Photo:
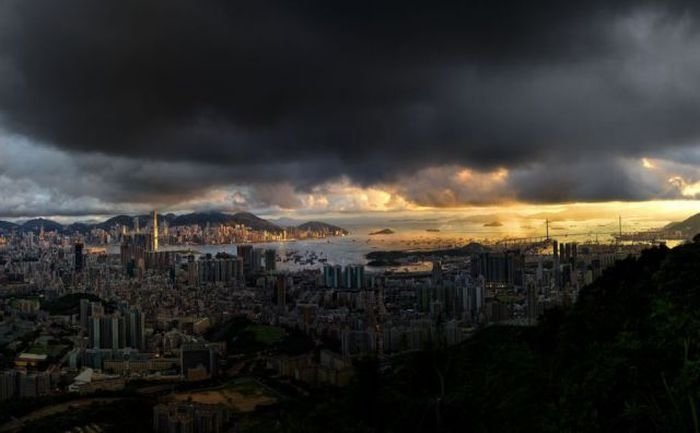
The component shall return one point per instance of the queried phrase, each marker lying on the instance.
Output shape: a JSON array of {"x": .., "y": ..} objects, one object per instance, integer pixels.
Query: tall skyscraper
[
  {"x": 118, "y": 331},
  {"x": 95, "y": 332},
  {"x": 84, "y": 313},
  {"x": 270, "y": 260},
  {"x": 332, "y": 275},
  {"x": 245, "y": 252},
  {"x": 155, "y": 230},
  {"x": 281, "y": 292},
  {"x": 500, "y": 268},
  {"x": 136, "y": 334},
  {"x": 256, "y": 262},
  {"x": 437, "y": 273},
  {"x": 532, "y": 307},
  {"x": 354, "y": 277},
  {"x": 78, "y": 257}
]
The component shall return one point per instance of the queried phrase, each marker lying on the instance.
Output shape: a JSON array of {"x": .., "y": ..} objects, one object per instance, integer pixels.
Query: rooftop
[{"x": 32, "y": 357}]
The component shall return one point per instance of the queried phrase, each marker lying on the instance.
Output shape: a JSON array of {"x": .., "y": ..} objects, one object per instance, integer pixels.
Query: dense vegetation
[
  {"x": 244, "y": 337},
  {"x": 625, "y": 358}
]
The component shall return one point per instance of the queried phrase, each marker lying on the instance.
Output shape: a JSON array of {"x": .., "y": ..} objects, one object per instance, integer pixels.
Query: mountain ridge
[
  {"x": 319, "y": 226},
  {"x": 690, "y": 225},
  {"x": 247, "y": 219}
]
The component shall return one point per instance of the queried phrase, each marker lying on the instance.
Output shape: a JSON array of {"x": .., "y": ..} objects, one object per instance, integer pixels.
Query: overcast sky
[{"x": 344, "y": 106}]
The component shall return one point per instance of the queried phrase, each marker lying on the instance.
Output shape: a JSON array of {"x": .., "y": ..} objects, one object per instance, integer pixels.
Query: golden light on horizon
[{"x": 647, "y": 163}]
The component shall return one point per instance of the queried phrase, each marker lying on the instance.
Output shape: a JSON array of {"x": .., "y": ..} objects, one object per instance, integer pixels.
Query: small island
[
  {"x": 383, "y": 232},
  {"x": 432, "y": 230},
  {"x": 494, "y": 224}
]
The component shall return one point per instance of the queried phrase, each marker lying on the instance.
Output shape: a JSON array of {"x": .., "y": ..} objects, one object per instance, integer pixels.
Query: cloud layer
[{"x": 118, "y": 105}]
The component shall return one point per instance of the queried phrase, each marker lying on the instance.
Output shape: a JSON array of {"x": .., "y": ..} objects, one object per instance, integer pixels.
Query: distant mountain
[
  {"x": 6, "y": 226},
  {"x": 128, "y": 221},
  {"x": 35, "y": 225},
  {"x": 162, "y": 218},
  {"x": 78, "y": 228},
  {"x": 286, "y": 222},
  {"x": 255, "y": 222},
  {"x": 119, "y": 220},
  {"x": 247, "y": 219},
  {"x": 318, "y": 226},
  {"x": 690, "y": 226},
  {"x": 198, "y": 218},
  {"x": 219, "y": 218},
  {"x": 201, "y": 219}
]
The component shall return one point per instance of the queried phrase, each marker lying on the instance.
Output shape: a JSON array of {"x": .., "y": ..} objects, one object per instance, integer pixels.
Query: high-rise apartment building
[{"x": 78, "y": 252}]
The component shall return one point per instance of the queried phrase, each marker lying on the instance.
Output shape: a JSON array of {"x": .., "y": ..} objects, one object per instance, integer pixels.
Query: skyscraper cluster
[
  {"x": 118, "y": 330},
  {"x": 350, "y": 277}
]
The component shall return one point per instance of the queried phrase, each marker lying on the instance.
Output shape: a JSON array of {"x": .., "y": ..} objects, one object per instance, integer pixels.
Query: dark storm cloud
[
  {"x": 262, "y": 92},
  {"x": 605, "y": 180}
]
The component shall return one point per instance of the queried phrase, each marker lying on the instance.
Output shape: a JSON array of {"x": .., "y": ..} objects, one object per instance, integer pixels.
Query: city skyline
[{"x": 498, "y": 220}]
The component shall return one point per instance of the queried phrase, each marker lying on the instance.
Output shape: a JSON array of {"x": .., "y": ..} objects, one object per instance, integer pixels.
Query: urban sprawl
[{"x": 79, "y": 320}]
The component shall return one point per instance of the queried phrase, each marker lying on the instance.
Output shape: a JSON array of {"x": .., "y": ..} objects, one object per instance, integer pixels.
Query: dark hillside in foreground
[{"x": 625, "y": 358}]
